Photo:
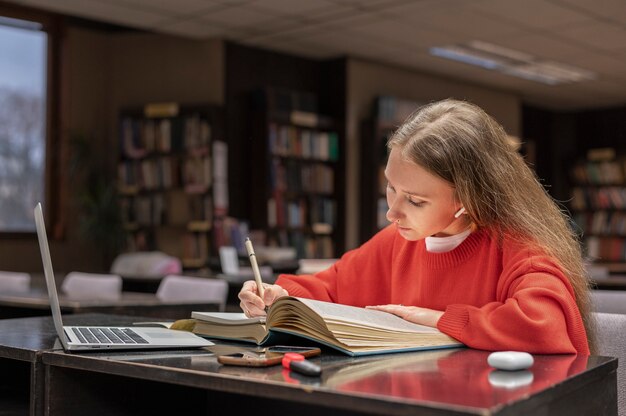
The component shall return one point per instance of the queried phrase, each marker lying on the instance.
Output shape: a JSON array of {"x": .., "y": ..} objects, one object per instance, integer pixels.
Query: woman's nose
[{"x": 394, "y": 214}]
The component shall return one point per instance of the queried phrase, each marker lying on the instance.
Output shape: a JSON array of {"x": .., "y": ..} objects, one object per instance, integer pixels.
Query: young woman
[{"x": 476, "y": 248}]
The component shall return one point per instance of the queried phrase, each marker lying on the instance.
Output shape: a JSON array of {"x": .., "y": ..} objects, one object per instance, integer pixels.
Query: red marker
[{"x": 296, "y": 362}]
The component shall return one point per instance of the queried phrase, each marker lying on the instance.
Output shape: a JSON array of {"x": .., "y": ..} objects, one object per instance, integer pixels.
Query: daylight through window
[{"x": 23, "y": 69}]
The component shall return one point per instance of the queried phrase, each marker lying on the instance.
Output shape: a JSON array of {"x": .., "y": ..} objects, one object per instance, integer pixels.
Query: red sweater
[{"x": 495, "y": 297}]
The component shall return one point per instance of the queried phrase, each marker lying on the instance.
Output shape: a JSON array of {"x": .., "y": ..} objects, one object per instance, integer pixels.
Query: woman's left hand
[{"x": 415, "y": 314}]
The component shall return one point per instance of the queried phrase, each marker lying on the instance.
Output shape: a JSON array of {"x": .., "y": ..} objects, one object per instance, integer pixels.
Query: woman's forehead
[{"x": 411, "y": 178}]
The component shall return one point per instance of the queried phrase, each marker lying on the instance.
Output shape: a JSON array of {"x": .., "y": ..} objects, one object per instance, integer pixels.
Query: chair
[
  {"x": 609, "y": 301},
  {"x": 185, "y": 288},
  {"x": 611, "y": 332},
  {"x": 145, "y": 264},
  {"x": 78, "y": 285},
  {"x": 14, "y": 282}
]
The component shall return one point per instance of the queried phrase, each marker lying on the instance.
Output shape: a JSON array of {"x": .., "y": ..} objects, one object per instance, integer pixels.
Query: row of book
[
  {"x": 200, "y": 209},
  {"x": 598, "y": 173},
  {"x": 141, "y": 137},
  {"x": 602, "y": 222},
  {"x": 295, "y": 177},
  {"x": 301, "y": 213},
  {"x": 159, "y": 209},
  {"x": 394, "y": 110},
  {"x": 156, "y": 173},
  {"x": 291, "y": 141},
  {"x": 196, "y": 250},
  {"x": 197, "y": 174},
  {"x": 606, "y": 248},
  {"x": 609, "y": 197},
  {"x": 232, "y": 232},
  {"x": 143, "y": 211},
  {"x": 166, "y": 172},
  {"x": 307, "y": 246}
]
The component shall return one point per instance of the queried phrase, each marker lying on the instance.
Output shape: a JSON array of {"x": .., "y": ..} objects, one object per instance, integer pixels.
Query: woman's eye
[
  {"x": 415, "y": 203},
  {"x": 390, "y": 188}
]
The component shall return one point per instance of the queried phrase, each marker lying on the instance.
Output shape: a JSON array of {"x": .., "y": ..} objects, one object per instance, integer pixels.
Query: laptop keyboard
[{"x": 103, "y": 335}]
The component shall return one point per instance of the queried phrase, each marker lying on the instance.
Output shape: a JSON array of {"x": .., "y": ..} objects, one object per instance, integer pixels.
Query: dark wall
[
  {"x": 602, "y": 128},
  {"x": 563, "y": 138}
]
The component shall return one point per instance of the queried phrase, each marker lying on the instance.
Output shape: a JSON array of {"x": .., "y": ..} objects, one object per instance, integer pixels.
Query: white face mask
[{"x": 445, "y": 244}]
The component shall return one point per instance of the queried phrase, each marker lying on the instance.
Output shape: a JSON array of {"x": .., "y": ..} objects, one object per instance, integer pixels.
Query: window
[{"x": 23, "y": 98}]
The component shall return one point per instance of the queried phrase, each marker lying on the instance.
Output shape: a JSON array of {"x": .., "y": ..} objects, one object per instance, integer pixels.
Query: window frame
[{"x": 51, "y": 24}]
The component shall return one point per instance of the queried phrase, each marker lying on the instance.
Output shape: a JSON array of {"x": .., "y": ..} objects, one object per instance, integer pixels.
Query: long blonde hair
[{"x": 462, "y": 144}]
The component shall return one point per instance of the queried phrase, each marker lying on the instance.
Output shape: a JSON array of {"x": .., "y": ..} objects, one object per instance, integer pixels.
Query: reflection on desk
[
  {"x": 459, "y": 377},
  {"x": 439, "y": 382}
]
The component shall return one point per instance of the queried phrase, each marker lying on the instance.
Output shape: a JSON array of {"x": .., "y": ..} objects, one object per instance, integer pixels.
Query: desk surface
[
  {"x": 456, "y": 381},
  {"x": 25, "y": 338}
]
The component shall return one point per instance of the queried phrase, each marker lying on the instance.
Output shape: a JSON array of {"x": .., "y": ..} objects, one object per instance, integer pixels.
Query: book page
[
  {"x": 364, "y": 317},
  {"x": 230, "y": 318}
]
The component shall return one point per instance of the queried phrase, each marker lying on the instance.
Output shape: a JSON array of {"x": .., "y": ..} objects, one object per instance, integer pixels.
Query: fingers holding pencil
[{"x": 252, "y": 304}]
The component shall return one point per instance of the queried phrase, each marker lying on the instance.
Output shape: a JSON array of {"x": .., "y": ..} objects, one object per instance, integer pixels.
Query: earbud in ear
[{"x": 459, "y": 212}]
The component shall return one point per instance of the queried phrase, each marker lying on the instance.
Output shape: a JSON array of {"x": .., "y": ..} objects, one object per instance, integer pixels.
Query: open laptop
[{"x": 92, "y": 338}]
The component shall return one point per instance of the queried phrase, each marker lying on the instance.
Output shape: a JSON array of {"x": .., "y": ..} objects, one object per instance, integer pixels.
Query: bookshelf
[
  {"x": 169, "y": 179},
  {"x": 598, "y": 205},
  {"x": 387, "y": 114},
  {"x": 297, "y": 178}
]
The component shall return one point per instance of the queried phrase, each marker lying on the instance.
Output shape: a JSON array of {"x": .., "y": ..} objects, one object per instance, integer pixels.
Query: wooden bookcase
[
  {"x": 166, "y": 176},
  {"x": 298, "y": 174},
  {"x": 598, "y": 206},
  {"x": 388, "y": 114}
]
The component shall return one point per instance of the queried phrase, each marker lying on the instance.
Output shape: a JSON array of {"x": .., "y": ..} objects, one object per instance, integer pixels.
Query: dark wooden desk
[
  {"x": 22, "y": 342},
  {"x": 41, "y": 379},
  {"x": 35, "y": 303},
  {"x": 445, "y": 382}
]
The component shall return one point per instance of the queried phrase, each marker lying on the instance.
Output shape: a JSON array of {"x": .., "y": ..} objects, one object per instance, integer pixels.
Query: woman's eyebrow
[{"x": 415, "y": 194}]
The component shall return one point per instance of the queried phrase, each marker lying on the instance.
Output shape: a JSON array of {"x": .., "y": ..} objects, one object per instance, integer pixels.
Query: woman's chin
[{"x": 407, "y": 233}]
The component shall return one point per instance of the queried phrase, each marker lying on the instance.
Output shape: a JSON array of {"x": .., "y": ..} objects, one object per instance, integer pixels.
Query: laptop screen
[{"x": 48, "y": 272}]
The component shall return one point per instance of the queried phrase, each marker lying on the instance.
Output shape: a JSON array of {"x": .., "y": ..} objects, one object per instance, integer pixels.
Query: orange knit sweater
[{"x": 494, "y": 297}]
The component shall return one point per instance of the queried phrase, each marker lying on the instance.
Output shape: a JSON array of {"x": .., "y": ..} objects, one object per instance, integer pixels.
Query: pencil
[{"x": 255, "y": 268}]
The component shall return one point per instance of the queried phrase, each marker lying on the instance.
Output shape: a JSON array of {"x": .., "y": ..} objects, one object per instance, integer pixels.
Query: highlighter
[{"x": 296, "y": 362}]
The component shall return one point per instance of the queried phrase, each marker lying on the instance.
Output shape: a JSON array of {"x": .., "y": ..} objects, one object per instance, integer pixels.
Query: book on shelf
[{"x": 349, "y": 329}]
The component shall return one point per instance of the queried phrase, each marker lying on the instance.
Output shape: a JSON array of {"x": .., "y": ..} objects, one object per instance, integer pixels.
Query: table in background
[
  {"x": 612, "y": 282},
  {"x": 36, "y": 303}
]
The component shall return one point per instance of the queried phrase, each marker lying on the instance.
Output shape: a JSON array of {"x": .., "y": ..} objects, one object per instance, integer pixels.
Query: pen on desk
[{"x": 255, "y": 269}]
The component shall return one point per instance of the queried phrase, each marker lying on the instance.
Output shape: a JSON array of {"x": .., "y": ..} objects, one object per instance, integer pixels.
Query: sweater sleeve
[
  {"x": 536, "y": 312},
  {"x": 339, "y": 283}
]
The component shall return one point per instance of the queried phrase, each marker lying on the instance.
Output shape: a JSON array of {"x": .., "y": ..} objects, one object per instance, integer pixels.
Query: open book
[{"x": 349, "y": 329}]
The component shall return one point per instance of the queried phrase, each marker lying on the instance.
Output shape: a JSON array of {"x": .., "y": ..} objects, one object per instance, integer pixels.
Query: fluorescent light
[
  {"x": 500, "y": 51},
  {"x": 458, "y": 54},
  {"x": 512, "y": 62}
]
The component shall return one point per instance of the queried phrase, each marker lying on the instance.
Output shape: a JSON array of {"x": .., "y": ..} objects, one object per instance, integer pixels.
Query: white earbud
[{"x": 459, "y": 212}]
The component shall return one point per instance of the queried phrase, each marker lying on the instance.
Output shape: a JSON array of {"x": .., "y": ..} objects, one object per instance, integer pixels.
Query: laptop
[{"x": 89, "y": 338}]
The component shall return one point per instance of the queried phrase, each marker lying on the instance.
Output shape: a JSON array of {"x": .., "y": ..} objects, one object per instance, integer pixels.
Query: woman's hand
[
  {"x": 252, "y": 304},
  {"x": 415, "y": 314}
]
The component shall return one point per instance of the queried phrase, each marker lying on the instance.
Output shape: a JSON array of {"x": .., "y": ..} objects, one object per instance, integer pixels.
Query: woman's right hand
[{"x": 252, "y": 304}]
